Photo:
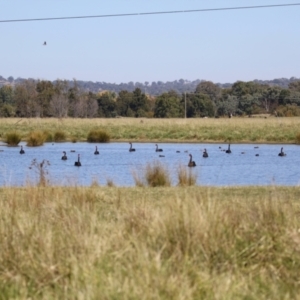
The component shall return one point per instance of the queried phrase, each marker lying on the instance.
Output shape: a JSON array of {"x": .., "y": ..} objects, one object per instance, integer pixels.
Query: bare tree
[
  {"x": 91, "y": 107},
  {"x": 59, "y": 105}
]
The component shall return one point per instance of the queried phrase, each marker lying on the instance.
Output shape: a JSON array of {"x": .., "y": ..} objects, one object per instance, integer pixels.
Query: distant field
[
  {"x": 246, "y": 130},
  {"x": 149, "y": 243}
]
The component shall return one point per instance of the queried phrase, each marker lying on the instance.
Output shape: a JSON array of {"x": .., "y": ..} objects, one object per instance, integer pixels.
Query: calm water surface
[{"x": 116, "y": 163}]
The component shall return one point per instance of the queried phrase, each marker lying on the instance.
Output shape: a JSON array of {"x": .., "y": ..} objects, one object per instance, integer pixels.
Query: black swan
[
  {"x": 281, "y": 153},
  {"x": 96, "y": 151},
  {"x": 64, "y": 157},
  {"x": 228, "y": 150},
  {"x": 191, "y": 162},
  {"x": 22, "y": 151},
  {"x": 158, "y": 150},
  {"x": 205, "y": 154},
  {"x": 78, "y": 163},
  {"x": 131, "y": 149}
]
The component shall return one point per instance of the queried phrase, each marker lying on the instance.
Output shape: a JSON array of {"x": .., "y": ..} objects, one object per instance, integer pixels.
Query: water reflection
[{"x": 245, "y": 165}]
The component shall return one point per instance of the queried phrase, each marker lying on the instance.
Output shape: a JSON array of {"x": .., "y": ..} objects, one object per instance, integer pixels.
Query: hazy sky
[{"x": 221, "y": 46}]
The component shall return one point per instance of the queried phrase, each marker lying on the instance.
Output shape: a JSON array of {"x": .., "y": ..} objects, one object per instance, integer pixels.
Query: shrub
[
  {"x": 36, "y": 138},
  {"x": 48, "y": 136},
  {"x": 298, "y": 138},
  {"x": 59, "y": 136},
  {"x": 157, "y": 175},
  {"x": 98, "y": 136},
  {"x": 74, "y": 139},
  {"x": 289, "y": 110},
  {"x": 13, "y": 138},
  {"x": 186, "y": 177}
]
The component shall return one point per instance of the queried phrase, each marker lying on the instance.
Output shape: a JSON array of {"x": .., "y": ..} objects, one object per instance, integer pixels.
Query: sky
[{"x": 220, "y": 46}]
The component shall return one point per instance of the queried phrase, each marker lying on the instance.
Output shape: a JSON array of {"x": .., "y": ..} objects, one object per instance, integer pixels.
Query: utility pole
[{"x": 185, "y": 105}]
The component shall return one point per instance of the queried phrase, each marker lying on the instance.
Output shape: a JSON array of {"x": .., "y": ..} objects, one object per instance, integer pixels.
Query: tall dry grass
[
  {"x": 12, "y": 138},
  {"x": 153, "y": 175},
  {"x": 186, "y": 176},
  {"x": 144, "y": 243},
  {"x": 59, "y": 136},
  {"x": 258, "y": 130},
  {"x": 36, "y": 138}
]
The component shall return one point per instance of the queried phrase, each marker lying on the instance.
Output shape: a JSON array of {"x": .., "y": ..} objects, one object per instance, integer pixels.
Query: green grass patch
[{"x": 245, "y": 130}]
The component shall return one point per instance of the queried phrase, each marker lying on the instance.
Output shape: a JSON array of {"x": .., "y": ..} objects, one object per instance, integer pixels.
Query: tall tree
[
  {"x": 107, "y": 105},
  {"x": 140, "y": 103},
  {"x": 198, "y": 105},
  {"x": 270, "y": 98},
  {"x": 123, "y": 104},
  {"x": 26, "y": 99},
  {"x": 210, "y": 89},
  {"x": 167, "y": 105},
  {"x": 45, "y": 90},
  {"x": 6, "y": 94}
]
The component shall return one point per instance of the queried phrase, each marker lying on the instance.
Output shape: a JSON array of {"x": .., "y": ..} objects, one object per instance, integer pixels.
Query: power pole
[{"x": 185, "y": 105}]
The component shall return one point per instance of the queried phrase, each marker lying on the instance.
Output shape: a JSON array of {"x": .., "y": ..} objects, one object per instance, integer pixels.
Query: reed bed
[
  {"x": 244, "y": 130},
  {"x": 149, "y": 243}
]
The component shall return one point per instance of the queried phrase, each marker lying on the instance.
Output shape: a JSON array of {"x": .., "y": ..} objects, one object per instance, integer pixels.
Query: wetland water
[{"x": 116, "y": 163}]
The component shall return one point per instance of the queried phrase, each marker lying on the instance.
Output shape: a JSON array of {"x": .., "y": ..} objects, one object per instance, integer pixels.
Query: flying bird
[{"x": 45, "y": 44}]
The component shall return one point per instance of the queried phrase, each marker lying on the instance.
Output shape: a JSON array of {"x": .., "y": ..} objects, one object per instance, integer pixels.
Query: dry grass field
[
  {"x": 149, "y": 243},
  {"x": 244, "y": 130},
  {"x": 143, "y": 242}
]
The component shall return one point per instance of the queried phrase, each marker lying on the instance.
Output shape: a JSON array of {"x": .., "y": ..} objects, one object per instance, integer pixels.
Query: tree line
[{"x": 31, "y": 98}]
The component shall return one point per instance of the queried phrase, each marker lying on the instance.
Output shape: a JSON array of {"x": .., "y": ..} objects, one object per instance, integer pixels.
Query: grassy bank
[
  {"x": 149, "y": 243},
  {"x": 247, "y": 130}
]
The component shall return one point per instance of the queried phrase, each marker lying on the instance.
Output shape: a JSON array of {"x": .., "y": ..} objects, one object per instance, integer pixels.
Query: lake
[{"x": 116, "y": 163}]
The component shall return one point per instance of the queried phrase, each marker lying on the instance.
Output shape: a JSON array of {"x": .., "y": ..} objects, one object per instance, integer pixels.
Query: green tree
[
  {"x": 247, "y": 104},
  {"x": 140, "y": 103},
  {"x": 227, "y": 105},
  {"x": 107, "y": 105},
  {"x": 269, "y": 99},
  {"x": 210, "y": 89},
  {"x": 167, "y": 105},
  {"x": 6, "y": 94},
  {"x": 26, "y": 99},
  {"x": 295, "y": 86},
  {"x": 7, "y": 110},
  {"x": 45, "y": 90},
  {"x": 198, "y": 105},
  {"x": 241, "y": 88},
  {"x": 123, "y": 104}
]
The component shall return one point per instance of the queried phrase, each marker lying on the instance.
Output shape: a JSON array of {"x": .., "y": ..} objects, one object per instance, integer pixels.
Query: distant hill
[{"x": 154, "y": 88}]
